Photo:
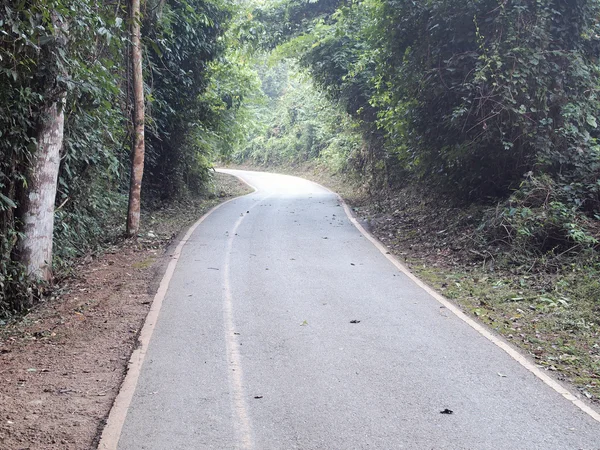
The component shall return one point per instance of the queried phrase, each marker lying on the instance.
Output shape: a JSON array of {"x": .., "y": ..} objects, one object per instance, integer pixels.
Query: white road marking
[
  {"x": 240, "y": 408},
  {"x": 489, "y": 335},
  {"x": 512, "y": 352},
  {"x": 116, "y": 419},
  {"x": 242, "y": 423}
]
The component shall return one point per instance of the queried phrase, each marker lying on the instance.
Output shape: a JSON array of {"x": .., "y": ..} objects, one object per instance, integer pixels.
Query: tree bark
[
  {"x": 137, "y": 157},
  {"x": 37, "y": 203},
  {"x": 38, "y": 210}
]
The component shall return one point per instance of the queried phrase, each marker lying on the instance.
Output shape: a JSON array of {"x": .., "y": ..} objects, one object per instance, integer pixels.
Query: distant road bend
[{"x": 283, "y": 327}]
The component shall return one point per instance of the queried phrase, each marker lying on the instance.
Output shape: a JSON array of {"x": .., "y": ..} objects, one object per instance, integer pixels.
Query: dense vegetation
[
  {"x": 486, "y": 102},
  {"x": 299, "y": 125},
  {"x": 52, "y": 48}
]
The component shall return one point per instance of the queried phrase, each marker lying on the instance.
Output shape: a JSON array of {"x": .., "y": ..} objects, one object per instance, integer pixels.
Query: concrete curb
[{"x": 112, "y": 430}]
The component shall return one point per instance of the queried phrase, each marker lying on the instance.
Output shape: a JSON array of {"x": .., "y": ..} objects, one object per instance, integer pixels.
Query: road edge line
[
  {"x": 111, "y": 433},
  {"x": 480, "y": 328}
]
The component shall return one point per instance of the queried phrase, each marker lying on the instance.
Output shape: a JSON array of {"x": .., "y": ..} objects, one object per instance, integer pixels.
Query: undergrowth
[
  {"x": 527, "y": 268},
  {"x": 97, "y": 227}
]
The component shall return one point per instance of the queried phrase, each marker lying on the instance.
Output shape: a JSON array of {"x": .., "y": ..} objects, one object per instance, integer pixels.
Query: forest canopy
[{"x": 489, "y": 102}]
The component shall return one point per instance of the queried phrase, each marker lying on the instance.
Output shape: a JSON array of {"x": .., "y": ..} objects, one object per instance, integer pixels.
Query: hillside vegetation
[{"x": 69, "y": 64}]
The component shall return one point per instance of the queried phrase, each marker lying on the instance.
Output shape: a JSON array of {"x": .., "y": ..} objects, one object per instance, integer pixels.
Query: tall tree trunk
[
  {"x": 38, "y": 210},
  {"x": 37, "y": 205},
  {"x": 137, "y": 157}
]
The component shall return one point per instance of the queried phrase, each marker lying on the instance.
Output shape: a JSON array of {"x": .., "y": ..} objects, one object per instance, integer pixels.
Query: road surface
[{"x": 283, "y": 327}]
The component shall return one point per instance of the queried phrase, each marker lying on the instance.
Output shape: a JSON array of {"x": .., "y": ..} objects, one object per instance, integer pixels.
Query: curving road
[{"x": 255, "y": 347}]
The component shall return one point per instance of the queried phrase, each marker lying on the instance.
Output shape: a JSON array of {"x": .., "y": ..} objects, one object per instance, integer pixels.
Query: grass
[
  {"x": 144, "y": 264},
  {"x": 552, "y": 317}
]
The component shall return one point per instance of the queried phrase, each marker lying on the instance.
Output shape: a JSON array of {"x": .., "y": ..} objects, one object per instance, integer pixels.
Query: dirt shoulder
[{"x": 61, "y": 365}]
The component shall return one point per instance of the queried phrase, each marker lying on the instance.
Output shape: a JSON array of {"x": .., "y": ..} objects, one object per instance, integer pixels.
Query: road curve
[{"x": 283, "y": 327}]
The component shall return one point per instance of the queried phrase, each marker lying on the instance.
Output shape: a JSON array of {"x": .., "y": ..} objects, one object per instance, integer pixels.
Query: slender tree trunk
[
  {"x": 37, "y": 205},
  {"x": 137, "y": 157}
]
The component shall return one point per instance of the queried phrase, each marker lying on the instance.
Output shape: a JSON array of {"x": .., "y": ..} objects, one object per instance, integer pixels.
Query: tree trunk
[
  {"x": 137, "y": 157},
  {"x": 37, "y": 203},
  {"x": 38, "y": 209}
]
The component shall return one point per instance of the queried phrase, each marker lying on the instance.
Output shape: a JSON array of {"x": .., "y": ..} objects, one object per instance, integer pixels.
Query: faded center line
[{"x": 242, "y": 423}]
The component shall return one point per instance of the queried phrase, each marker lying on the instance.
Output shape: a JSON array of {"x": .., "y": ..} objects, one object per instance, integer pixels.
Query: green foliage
[
  {"x": 33, "y": 62},
  {"x": 93, "y": 171},
  {"x": 542, "y": 217},
  {"x": 489, "y": 92},
  {"x": 479, "y": 99},
  {"x": 300, "y": 125},
  {"x": 233, "y": 98},
  {"x": 276, "y": 22},
  {"x": 182, "y": 38}
]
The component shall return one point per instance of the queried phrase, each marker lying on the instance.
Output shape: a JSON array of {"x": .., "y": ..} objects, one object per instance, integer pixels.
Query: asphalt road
[{"x": 255, "y": 347}]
